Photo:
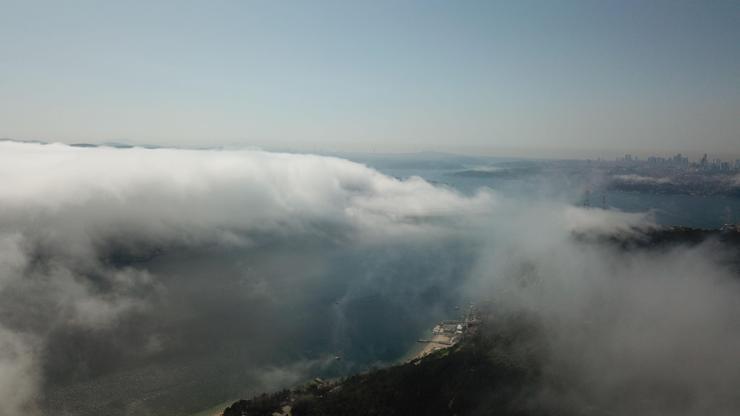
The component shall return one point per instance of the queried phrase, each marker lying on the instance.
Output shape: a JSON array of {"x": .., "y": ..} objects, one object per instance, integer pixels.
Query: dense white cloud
[
  {"x": 649, "y": 180},
  {"x": 187, "y": 193}
]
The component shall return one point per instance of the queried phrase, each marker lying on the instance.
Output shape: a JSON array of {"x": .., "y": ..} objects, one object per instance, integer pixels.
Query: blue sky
[{"x": 557, "y": 78}]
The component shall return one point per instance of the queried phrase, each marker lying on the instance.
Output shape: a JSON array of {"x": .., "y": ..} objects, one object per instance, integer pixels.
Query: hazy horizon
[
  {"x": 511, "y": 153},
  {"x": 542, "y": 79}
]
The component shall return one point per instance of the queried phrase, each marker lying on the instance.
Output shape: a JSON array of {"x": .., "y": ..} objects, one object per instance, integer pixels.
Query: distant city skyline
[
  {"x": 683, "y": 161},
  {"x": 564, "y": 79}
]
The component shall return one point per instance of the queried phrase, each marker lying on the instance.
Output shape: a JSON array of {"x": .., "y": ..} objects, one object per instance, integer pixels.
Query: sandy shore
[
  {"x": 215, "y": 410},
  {"x": 438, "y": 342}
]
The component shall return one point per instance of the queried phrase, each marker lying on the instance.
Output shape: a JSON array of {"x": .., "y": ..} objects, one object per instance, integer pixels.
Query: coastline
[{"x": 439, "y": 340}]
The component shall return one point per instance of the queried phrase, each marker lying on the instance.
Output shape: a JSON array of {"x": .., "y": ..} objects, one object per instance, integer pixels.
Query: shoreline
[{"x": 437, "y": 342}]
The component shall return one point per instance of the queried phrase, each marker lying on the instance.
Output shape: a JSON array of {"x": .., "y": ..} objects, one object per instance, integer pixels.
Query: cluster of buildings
[
  {"x": 450, "y": 328},
  {"x": 680, "y": 161},
  {"x": 450, "y": 332},
  {"x": 718, "y": 165}
]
